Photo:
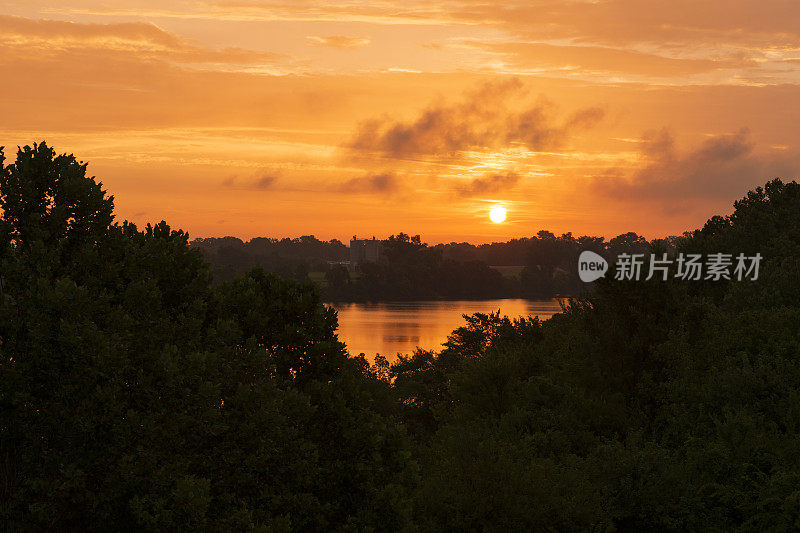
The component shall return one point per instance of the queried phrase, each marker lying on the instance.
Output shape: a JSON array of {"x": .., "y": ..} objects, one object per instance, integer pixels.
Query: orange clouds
[
  {"x": 590, "y": 60},
  {"x": 679, "y": 42},
  {"x": 20, "y": 31},
  {"x": 331, "y": 117},
  {"x": 744, "y": 22},
  {"x": 722, "y": 166},
  {"x": 609, "y": 21},
  {"x": 146, "y": 40},
  {"x": 339, "y": 41}
]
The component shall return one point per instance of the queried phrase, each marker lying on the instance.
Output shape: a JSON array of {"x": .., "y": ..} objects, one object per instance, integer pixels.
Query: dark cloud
[
  {"x": 585, "y": 118},
  {"x": 264, "y": 182},
  {"x": 491, "y": 183},
  {"x": 480, "y": 121},
  {"x": 385, "y": 183},
  {"x": 260, "y": 182},
  {"x": 722, "y": 167}
]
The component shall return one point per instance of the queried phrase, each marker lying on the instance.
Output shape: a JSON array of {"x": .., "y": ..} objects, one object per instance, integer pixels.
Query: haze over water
[{"x": 401, "y": 327}]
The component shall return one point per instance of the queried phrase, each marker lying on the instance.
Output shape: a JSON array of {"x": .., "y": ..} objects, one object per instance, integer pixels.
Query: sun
[{"x": 498, "y": 214}]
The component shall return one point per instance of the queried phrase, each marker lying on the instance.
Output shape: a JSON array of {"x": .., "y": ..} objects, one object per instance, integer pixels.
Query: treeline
[
  {"x": 137, "y": 395},
  {"x": 413, "y": 270},
  {"x": 288, "y": 258}
]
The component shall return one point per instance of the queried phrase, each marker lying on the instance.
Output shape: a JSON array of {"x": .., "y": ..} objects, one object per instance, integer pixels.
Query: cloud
[
  {"x": 264, "y": 182},
  {"x": 615, "y": 20},
  {"x": 260, "y": 183},
  {"x": 480, "y": 121},
  {"x": 20, "y": 30},
  {"x": 147, "y": 41},
  {"x": 658, "y": 37},
  {"x": 634, "y": 21},
  {"x": 384, "y": 183},
  {"x": 602, "y": 59},
  {"x": 338, "y": 41},
  {"x": 391, "y": 13},
  {"x": 606, "y": 21},
  {"x": 721, "y": 167},
  {"x": 491, "y": 183},
  {"x": 605, "y": 40}
]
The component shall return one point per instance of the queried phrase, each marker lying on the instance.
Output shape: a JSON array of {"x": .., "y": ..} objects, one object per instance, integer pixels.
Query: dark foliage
[
  {"x": 137, "y": 395},
  {"x": 411, "y": 270},
  {"x": 647, "y": 406}
]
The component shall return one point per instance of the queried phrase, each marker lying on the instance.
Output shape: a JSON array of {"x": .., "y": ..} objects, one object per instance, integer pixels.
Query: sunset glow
[
  {"x": 283, "y": 119},
  {"x": 400, "y": 265}
]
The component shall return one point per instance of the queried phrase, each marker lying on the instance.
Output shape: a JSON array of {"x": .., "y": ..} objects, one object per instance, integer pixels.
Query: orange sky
[{"x": 334, "y": 118}]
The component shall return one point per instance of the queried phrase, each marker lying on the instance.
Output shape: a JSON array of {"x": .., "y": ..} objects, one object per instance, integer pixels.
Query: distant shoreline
[{"x": 433, "y": 300}]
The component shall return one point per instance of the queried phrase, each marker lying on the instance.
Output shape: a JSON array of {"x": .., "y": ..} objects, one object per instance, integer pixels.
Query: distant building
[{"x": 362, "y": 250}]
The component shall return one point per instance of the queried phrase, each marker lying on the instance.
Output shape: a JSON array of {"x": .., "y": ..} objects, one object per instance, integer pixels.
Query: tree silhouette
[
  {"x": 134, "y": 394},
  {"x": 47, "y": 197}
]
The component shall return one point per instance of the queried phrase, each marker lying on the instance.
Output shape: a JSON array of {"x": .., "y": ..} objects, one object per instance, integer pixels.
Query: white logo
[{"x": 591, "y": 266}]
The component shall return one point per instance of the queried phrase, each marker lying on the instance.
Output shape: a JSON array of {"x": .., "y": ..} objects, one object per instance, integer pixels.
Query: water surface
[{"x": 400, "y": 327}]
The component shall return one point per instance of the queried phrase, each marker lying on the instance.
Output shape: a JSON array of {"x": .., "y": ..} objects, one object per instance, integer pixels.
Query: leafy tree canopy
[{"x": 137, "y": 395}]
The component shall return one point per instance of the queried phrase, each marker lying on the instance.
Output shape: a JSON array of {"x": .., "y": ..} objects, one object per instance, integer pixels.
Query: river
[{"x": 400, "y": 327}]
